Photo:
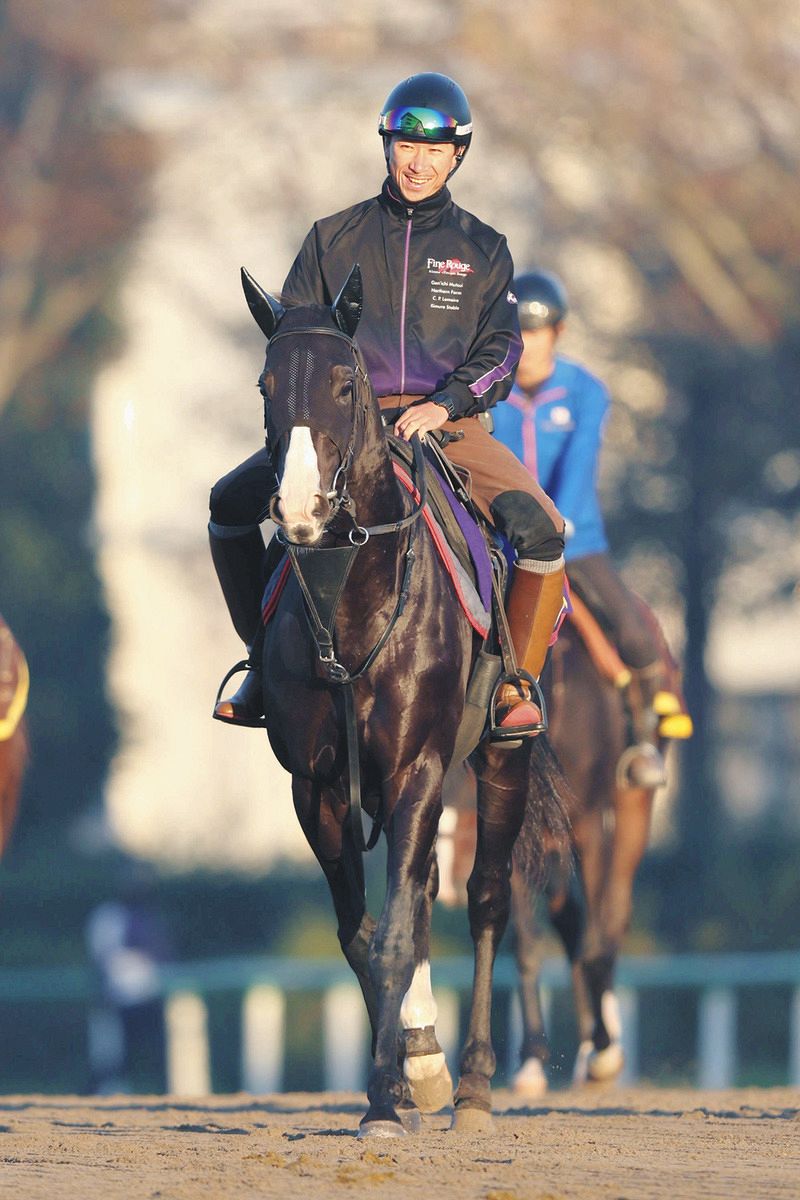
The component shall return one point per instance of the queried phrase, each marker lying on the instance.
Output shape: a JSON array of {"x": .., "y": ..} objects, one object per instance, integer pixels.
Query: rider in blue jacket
[{"x": 553, "y": 420}]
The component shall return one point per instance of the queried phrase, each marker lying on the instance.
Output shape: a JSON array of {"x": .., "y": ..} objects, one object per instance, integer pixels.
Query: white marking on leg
[
  {"x": 609, "y": 1007},
  {"x": 300, "y": 484},
  {"x": 418, "y": 1010},
  {"x": 419, "y": 1007}
]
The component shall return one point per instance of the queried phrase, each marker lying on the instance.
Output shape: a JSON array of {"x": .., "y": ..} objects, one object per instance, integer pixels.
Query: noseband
[{"x": 338, "y": 497}]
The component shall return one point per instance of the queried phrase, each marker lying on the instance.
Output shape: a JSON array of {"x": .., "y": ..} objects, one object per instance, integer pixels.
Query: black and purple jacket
[{"x": 439, "y": 315}]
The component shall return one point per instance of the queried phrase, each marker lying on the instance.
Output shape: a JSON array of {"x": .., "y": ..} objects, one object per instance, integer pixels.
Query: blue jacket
[{"x": 557, "y": 432}]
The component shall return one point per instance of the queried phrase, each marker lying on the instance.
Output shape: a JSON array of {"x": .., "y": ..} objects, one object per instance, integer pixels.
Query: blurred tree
[{"x": 72, "y": 191}]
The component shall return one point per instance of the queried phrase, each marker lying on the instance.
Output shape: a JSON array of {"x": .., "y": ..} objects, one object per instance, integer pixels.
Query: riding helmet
[
  {"x": 427, "y": 108},
  {"x": 541, "y": 299}
]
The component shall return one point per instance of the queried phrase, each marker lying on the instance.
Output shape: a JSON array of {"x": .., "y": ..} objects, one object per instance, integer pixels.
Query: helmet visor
[{"x": 422, "y": 124}]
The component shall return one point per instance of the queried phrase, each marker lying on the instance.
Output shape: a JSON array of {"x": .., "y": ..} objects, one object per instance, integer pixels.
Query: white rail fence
[{"x": 269, "y": 985}]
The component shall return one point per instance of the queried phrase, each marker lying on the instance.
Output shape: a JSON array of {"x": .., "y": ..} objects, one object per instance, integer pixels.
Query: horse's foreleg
[
  {"x": 633, "y": 808},
  {"x": 344, "y": 872},
  {"x": 424, "y": 1064},
  {"x": 413, "y": 803},
  {"x": 502, "y": 777}
]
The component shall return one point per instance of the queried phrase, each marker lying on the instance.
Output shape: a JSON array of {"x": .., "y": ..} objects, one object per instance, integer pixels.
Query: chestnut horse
[
  {"x": 366, "y": 662},
  {"x": 589, "y": 903},
  {"x": 13, "y": 732}
]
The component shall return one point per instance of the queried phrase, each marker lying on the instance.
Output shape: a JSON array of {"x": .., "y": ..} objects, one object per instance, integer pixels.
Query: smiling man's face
[{"x": 420, "y": 169}]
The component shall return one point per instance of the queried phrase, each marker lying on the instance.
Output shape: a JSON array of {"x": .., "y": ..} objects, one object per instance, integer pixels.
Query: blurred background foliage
[{"x": 659, "y": 144}]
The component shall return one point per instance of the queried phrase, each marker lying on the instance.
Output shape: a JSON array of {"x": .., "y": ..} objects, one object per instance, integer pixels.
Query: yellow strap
[{"x": 16, "y": 708}]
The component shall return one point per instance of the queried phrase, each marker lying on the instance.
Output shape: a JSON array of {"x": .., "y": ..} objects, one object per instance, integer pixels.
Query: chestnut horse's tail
[{"x": 545, "y": 827}]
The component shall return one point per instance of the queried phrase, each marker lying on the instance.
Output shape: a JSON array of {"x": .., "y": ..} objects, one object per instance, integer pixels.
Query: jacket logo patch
[
  {"x": 559, "y": 419},
  {"x": 449, "y": 266}
]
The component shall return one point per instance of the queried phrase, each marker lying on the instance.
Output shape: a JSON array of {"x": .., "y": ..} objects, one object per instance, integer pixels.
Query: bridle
[{"x": 338, "y": 497}]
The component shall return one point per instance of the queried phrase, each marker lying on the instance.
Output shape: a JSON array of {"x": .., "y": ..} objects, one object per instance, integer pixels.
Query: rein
[{"x": 322, "y": 572}]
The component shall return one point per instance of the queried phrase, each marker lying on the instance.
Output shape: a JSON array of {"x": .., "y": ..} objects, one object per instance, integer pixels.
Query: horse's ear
[
  {"x": 346, "y": 308},
  {"x": 266, "y": 310}
]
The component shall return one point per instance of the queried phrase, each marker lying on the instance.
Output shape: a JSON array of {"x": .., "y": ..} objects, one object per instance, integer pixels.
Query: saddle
[{"x": 14, "y": 682}]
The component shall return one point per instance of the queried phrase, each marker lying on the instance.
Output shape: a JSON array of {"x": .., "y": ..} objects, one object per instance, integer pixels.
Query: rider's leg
[
  {"x": 237, "y": 504},
  {"x": 651, "y": 698},
  {"x": 512, "y": 499}
]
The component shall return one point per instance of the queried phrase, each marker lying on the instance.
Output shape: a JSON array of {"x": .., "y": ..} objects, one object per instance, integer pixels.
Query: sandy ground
[{"x": 632, "y": 1144}]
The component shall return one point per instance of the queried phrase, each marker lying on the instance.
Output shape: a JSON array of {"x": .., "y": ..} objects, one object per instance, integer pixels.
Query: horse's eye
[{"x": 347, "y": 388}]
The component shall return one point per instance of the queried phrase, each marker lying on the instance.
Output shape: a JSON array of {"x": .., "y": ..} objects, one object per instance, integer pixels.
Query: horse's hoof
[
  {"x": 472, "y": 1120},
  {"x": 380, "y": 1129},
  {"x": 530, "y": 1082},
  {"x": 607, "y": 1064},
  {"x": 429, "y": 1082},
  {"x": 410, "y": 1117}
]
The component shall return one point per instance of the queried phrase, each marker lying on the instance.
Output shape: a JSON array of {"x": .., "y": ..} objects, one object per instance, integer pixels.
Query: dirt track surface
[{"x": 634, "y": 1144}]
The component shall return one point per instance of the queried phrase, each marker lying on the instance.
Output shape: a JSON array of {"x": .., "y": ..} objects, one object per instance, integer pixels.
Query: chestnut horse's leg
[
  {"x": 502, "y": 789},
  {"x": 424, "y": 1064},
  {"x": 632, "y": 812},
  {"x": 530, "y": 1080},
  {"x": 567, "y": 916}
]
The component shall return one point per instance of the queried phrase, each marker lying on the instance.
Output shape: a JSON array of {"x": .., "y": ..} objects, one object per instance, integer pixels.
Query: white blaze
[{"x": 300, "y": 485}]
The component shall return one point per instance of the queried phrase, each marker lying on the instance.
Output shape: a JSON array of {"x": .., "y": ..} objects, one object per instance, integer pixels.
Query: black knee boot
[{"x": 239, "y": 558}]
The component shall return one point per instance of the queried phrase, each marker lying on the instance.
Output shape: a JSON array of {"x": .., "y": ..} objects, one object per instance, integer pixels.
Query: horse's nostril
[{"x": 321, "y": 508}]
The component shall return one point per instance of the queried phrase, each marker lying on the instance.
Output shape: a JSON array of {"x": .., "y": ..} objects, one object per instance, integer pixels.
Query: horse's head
[{"x": 314, "y": 388}]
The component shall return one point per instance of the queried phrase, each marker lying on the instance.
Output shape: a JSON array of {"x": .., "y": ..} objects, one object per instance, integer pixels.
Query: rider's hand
[{"x": 421, "y": 419}]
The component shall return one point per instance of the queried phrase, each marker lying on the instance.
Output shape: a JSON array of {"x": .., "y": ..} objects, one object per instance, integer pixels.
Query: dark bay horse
[
  {"x": 13, "y": 732},
  {"x": 589, "y": 905},
  {"x": 366, "y": 662}
]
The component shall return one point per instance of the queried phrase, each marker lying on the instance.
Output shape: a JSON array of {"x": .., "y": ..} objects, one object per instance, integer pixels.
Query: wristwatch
[{"x": 447, "y": 403}]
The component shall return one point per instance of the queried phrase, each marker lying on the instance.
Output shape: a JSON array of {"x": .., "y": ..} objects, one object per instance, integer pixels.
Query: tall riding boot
[
  {"x": 238, "y": 556},
  {"x": 655, "y": 712},
  {"x": 535, "y": 602}
]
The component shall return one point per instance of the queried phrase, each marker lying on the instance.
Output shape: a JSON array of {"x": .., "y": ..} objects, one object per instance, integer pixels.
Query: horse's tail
[{"x": 545, "y": 826}]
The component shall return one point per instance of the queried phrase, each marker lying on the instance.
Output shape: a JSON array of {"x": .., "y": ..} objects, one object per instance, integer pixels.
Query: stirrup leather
[{"x": 501, "y": 733}]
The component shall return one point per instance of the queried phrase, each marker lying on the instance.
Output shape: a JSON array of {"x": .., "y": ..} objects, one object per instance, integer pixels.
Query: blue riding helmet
[{"x": 427, "y": 108}]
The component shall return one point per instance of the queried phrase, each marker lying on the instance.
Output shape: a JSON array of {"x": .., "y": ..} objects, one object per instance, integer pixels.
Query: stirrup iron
[{"x": 512, "y": 733}]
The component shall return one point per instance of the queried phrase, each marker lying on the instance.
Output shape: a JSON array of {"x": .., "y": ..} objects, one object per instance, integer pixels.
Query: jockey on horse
[
  {"x": 440, "y": 338},
  {"x": 553, "y": 421}
]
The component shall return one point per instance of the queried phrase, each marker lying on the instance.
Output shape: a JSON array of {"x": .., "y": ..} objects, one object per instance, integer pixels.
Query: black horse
[
  {"x": 366, "y": 663},
  {"x": 589, "y": 903}
]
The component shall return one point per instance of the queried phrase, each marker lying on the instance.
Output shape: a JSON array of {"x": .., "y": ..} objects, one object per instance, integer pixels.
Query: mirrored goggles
[{"x": 427, "y": 123}]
